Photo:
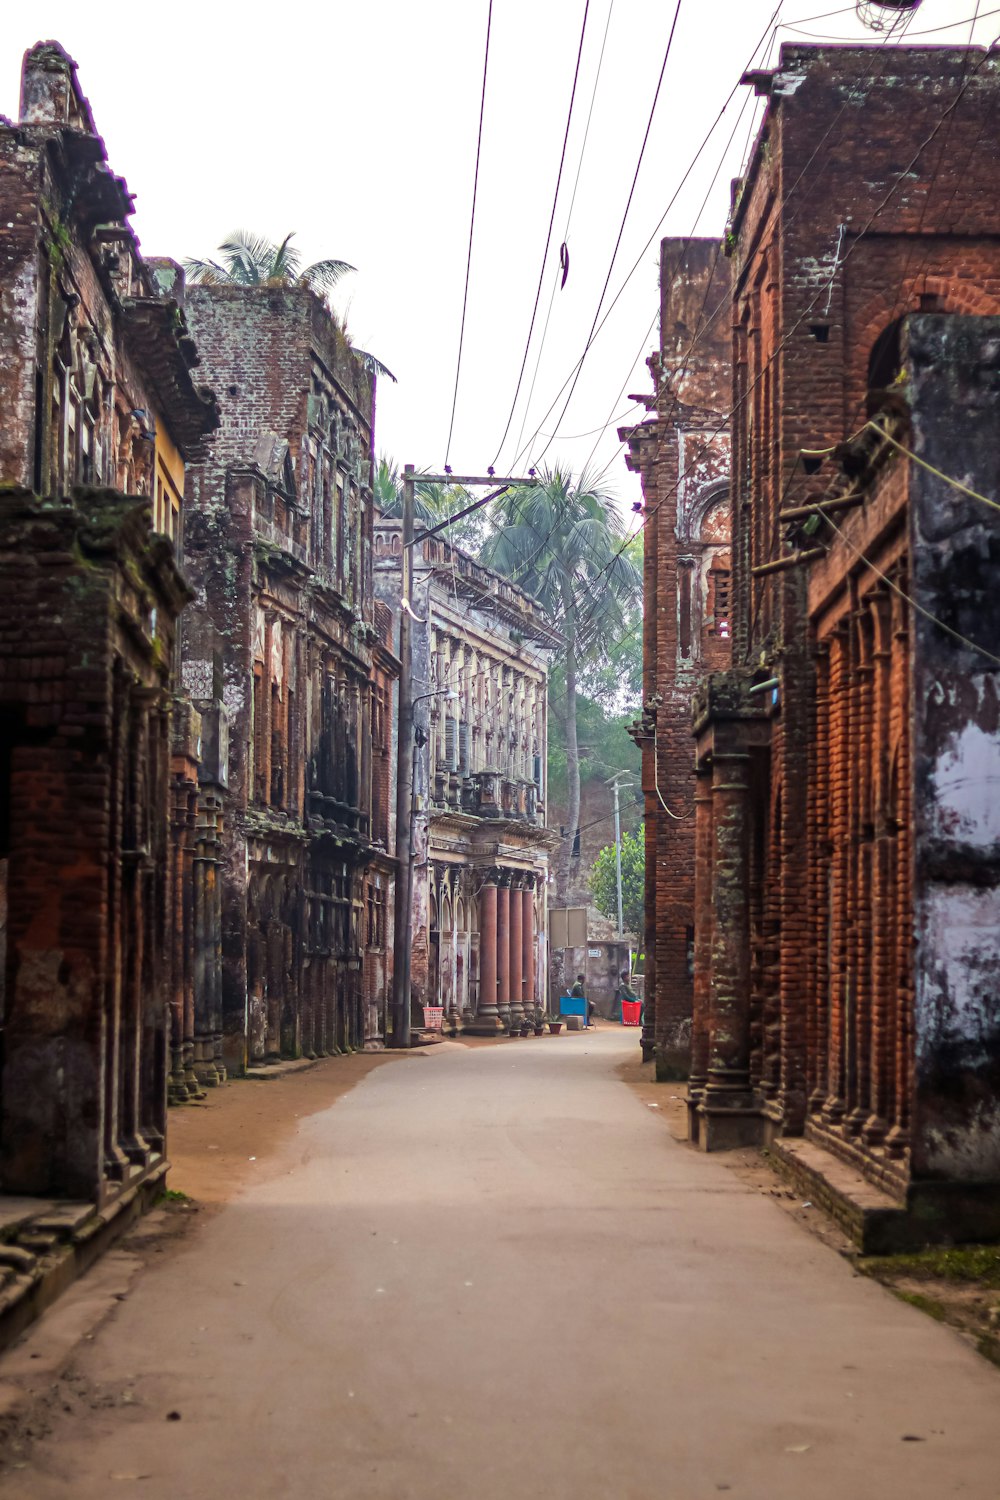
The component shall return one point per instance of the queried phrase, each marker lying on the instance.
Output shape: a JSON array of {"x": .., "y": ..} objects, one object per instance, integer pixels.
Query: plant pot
[
  {"x": 555, "y": 1027},
  {"x": 539, "y": 1030}
]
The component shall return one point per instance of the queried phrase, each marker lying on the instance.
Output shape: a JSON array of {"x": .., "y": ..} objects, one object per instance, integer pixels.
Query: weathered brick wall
[
  {"x": 87, "y": 612},
  {"x": 683, "y": 457},
  {"x": 826, "y": 259},
  {"x": 278, "y": 544}
]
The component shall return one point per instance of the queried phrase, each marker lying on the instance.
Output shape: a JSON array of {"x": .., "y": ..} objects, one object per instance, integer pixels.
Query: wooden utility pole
[{"x": 405, "y": 749}]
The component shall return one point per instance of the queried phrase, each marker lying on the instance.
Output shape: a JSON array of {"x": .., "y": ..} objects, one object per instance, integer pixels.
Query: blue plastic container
[{"x": 573, "y": 1005}]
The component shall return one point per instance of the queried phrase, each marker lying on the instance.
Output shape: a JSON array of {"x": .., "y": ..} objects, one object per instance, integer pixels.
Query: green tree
[
  {"x": 603, "y": 882},
  {"x": 251, "y": 260},
  {"x": 562, "y": 540}
]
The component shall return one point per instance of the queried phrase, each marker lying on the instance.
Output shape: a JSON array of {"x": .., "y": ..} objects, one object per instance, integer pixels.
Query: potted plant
[{"x": 555, "y": 1025}]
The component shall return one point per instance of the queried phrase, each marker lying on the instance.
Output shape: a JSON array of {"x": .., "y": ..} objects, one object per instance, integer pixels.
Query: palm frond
[
  {"x": 373, "y": 365},
  {"x": 323, "y": 275},
  {"x": 205, "y": 272},
  {"x": 286, "y": 262}
]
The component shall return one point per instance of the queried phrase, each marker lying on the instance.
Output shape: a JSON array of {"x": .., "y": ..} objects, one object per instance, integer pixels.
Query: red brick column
[
  {"x": 528, "y": 945},
  {"x": 703, "y": 933},
  {"x": 729, "y": 1114},
  {"x": 516, "y": 977},
  {"x": 503, "y": 946},
  {"x": 882, "y": 976},
  {"x": 488, "y": 949}
]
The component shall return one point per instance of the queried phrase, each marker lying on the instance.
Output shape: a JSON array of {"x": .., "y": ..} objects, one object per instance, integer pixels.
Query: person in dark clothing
[
  {"x": 578, "y": 992},
  {"x": 623, "y": 992}
]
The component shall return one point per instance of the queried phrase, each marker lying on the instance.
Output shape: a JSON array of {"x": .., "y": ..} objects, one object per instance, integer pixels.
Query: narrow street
[{"x": 492, "y": 1272}]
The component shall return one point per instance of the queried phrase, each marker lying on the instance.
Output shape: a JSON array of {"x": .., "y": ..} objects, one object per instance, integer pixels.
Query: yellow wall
[{"x": 168, "y": 484}]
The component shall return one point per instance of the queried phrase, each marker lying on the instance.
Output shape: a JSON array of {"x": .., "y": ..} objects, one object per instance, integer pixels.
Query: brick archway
[{"x": 953, "y": 296}]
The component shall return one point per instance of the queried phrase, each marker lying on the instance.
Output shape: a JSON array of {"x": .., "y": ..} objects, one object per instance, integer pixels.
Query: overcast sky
[{"x": 355, "y": 125}]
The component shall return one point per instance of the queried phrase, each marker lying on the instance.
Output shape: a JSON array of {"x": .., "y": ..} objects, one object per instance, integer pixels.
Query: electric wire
[
  {"x": 548, "y": 237},
  {"x": 621, "y": 229},
  {"x": 859, "y": 238},
  {"x": 955, "y": 634},
  {"x": 569, "y": 220},
  {"x": 642, "y": 253},
  {"x": 472, "y": 225}
]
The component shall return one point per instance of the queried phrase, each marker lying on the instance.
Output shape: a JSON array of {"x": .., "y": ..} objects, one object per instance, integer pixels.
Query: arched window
[{"x": 884, "y": 363}]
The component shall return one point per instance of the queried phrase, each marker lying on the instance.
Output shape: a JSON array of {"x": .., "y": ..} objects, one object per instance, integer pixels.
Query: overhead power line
[
  {"x": 858, "y": 239},
  {"x": 556, "y": 281},
  {"x": 621, "y": 228},
  {"x": 548, "y": 237},
  {"x": 640, "y": 257},
  {"x": 472, "y": 225}
]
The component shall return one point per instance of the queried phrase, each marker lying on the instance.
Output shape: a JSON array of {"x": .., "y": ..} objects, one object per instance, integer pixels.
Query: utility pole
[
  {"x": 405, "y": 746},
  {"x": 614, "y": 780},
  {"x": 404, "y": 785}
]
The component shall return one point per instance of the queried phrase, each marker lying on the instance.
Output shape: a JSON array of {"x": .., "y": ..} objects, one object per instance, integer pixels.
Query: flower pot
[
  {"x": 555, "y": 1027},
  {"x": 539, "y": 1030}
]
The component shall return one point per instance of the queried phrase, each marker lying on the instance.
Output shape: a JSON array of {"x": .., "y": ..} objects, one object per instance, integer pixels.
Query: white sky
[{"x": 355, "y": 125}]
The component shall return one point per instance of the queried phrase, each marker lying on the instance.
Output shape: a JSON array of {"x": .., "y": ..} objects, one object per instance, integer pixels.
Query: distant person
[
  {"x": 623, "y": 992},
  {"x": 578, "y": 992}
]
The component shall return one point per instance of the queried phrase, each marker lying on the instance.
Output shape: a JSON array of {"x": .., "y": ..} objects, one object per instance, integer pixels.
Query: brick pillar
[
  {"x": 727, "y": 1110},
  {"x": 702, "y": 933},
  {"x": 503, "y": 947},
  {"x": 517, "y": 1016},
  {"x": 487, "y": 1017},
  {"x": 882, "y": 973},
  {"x": 528, "y": 945}
]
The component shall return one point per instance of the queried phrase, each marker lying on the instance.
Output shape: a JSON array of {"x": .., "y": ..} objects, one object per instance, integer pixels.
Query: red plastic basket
[{"x": 631, "y": 1012}]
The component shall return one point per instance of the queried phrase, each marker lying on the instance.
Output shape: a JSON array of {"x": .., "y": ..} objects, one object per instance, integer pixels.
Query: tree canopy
[{"x": 603, "y": 881}]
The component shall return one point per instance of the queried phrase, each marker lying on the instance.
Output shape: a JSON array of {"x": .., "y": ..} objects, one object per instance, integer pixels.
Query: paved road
[{"x": 491, "y": 1275}]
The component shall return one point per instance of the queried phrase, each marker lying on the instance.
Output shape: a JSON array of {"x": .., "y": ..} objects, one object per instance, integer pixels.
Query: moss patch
[{"x": 959, "y": 1286}]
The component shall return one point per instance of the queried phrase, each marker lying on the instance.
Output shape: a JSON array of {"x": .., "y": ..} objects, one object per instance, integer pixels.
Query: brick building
[
  {"x": 100, "y": 414},
  {"x": 278, "y": 547},
  {"x": 681, "y": 452},
  {"x": 847, "y": 903},
  {"x": 480, "y": 654}
]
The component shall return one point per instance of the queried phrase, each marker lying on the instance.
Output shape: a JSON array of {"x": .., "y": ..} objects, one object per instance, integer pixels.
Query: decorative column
[
  {"x": 503, "y": 947},
  {"x": 528, "y": 945},
  {"x": 702, "y": 940},
  {"x": 487, "y": 1021},
  {"x": 517, "y": 1015},
  {"x": 728, "y": 1114}
]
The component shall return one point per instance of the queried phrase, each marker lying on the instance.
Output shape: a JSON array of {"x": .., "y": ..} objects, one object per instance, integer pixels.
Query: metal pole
[
  {"x": 404, "y": 786},
  {"x": 618, "y": 862}
]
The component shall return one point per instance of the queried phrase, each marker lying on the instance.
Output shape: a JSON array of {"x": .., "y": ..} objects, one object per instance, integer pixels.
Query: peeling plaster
[{"x": 966, "y": 782}]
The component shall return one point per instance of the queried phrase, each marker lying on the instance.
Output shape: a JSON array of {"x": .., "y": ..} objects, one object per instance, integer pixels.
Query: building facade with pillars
[
  {"x": 480, "y": 652},
  {"x": 848, "y": 863},
  {"x": 681, "y": 452},
  {"x": 101, "y": 414},
  {"x": 278, "y": 546}
]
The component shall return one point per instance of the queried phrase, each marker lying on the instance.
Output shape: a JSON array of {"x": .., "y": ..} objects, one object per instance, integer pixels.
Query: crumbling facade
[
  {"x": 100, "y": 414},
  {"x": 846, "y": 885},
  {"x": 681, "y": 452},
  {"x": 480, "y": 654},
  {"x": 278, "y": 547}
]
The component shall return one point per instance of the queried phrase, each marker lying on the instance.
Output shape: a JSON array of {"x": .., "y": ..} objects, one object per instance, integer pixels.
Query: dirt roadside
[
  {"x": 217, "y": 1146},
  {"x": 959, "y": 1286}
]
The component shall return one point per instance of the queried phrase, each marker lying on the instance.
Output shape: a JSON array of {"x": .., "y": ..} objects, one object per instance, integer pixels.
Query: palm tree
[
  {"x": 251, "y": 260},
  {"x": 432, "y": 503},
  {"x": 564, "y": 541}
]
